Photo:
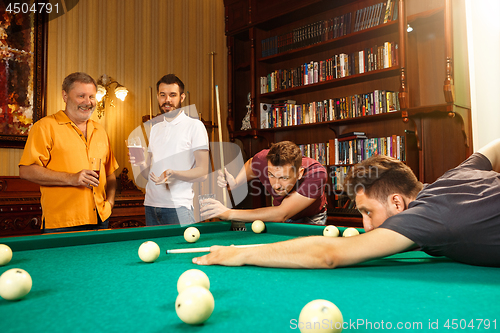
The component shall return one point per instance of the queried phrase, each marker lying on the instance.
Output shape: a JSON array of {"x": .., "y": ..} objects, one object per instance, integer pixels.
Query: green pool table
[{"x": 95, "y": 282}]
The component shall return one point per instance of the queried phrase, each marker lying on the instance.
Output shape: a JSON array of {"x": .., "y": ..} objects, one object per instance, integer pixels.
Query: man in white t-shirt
[{"x": 178, "y": 156}]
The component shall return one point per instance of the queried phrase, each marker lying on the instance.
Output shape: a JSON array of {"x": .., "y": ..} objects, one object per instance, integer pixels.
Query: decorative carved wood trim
[
  {"x": 404, "y": 100},
  {"x": 448, "y": 87},
  {"x": 10, "y": 225},
  {"x": 253, "y": 116},
  {"x": 128, "y": 223},
  {"x": 125, "y": 182}
]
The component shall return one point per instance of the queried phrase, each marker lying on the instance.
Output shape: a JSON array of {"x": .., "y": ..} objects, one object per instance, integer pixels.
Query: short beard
[{"x": 173, "y": 113}]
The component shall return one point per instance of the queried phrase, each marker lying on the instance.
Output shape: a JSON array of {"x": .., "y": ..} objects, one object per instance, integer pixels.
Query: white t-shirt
[{"x": 172, "y": 145}]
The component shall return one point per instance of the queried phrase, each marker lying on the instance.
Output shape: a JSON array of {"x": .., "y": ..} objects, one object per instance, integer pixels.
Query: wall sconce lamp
[{"x": 103, "y": 85}]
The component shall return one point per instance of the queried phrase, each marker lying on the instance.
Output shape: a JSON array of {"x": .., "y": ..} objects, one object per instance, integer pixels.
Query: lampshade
[
  {"x": 103, "y": 85},
  {"x": 121, "y": 92},
  {"x": 101, "y": 92}
]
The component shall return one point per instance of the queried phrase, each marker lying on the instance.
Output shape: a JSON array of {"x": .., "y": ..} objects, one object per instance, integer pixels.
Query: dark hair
[
  {"x": 77, "y": 77},
  {"x": 170, "y": 79},
  {"x": 285, "y": 152},
  {"x": 380, "y": 176}
]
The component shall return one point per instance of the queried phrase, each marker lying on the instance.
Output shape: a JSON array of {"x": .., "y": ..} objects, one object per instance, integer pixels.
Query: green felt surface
[{"x": 104, "y": 287}]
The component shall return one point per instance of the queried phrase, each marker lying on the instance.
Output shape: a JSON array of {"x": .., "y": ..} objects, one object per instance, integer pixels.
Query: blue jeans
[
  {"x": 100, "y": 225},
  {"x": 319, "y": 219},
  {"x": 163, "y": 216}
]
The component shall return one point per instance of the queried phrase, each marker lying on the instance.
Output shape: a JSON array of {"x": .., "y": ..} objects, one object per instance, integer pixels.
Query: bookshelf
[{"x": 274, "y": 45}]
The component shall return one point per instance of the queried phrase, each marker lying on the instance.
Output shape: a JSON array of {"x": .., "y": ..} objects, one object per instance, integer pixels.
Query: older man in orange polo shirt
[{"x": 57, "y": 155}]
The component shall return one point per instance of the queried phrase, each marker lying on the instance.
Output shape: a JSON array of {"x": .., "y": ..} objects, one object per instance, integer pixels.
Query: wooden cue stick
[
  {"x": 206, "y": 249},
  {"x": 221, "y": 150},
  {"x": 212, "y": 179}
]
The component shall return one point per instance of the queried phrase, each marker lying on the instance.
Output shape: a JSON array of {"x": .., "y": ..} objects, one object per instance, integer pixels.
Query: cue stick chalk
[{"x": 206, "y": 249}]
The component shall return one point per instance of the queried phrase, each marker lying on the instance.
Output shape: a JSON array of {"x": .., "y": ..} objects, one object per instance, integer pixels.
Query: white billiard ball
[
  {"x": 320, "y": 316},
  {"x": 350, "y": 232},
  {"x": 192, "y": 277},
  {"x": 258, "y": 226},
  {"x": 15, "y": 284},
  {"x": 194, "y": 305},
  {"x": 191, "y": 234},
  {"x": 331, "y": 231},
  {"x": 149, "y": 251},
  {"x": 5, "y": 254}
]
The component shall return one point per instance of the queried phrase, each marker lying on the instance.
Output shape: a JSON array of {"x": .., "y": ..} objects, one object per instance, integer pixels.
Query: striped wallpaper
[{"x": 135, "y": 42}]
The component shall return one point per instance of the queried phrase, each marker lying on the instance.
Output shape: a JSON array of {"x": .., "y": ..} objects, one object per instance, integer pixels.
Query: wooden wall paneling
[
  {"x": 461, "y": 74},
  {"x": 426, "y": 60},
  {"x": 230, "y": 83}
]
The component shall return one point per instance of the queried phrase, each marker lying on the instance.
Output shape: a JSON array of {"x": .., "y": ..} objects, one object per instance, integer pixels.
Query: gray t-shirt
[{"x": 457, "y": 216}]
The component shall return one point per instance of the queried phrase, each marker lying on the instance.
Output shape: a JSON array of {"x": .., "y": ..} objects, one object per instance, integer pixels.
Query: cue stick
[
  {"x": 235, "y": 226},
  {"x": 221, "y": 150},
  {"x": 206, "y": 249},
  {"x": 211, "y": 178}
]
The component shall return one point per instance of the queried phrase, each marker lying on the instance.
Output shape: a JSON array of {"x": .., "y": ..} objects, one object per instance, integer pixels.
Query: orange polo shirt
[{"x": 56, "y": 143}]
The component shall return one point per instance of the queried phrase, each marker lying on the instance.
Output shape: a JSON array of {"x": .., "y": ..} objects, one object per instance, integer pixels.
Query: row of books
[
  {"x": 317, "y": 151},
  {"x": 338, "y": 66},
  {"x": 306, "y": 35},
  {"x": 336, "y": 27},
  {"x": 344, "y": 154},
  {"x": 374, "y": 15},
  {"x": 350, "y": 150},
  {"x": 288, "y": 113},
  {"x": 356, "y": 148}
]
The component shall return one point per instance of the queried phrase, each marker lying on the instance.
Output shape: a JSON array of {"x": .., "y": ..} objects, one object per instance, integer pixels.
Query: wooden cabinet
[
  {"x": 279, "y": 40},
  {"x": 21, "y": 211}
]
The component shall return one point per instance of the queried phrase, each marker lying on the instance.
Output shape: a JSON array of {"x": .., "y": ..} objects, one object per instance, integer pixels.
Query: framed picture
[{"x": 23, "y": 47}]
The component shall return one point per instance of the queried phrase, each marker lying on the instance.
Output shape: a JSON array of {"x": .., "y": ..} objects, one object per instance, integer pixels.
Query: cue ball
[
  {"x": 331, "y": 231},
  {"x": 194, "y": 305},
  {"x": 258, "y": 226},
  {"x": 5, "y": 254},
  {"x": 192, "y": 277},
  {"x": 15, "y": 284},
  {"x": 350, "y": 232},
  {"x": 149, "y": 251},
  {"x": 191, "y": 234},
  {"x": 320, "y": 316}
]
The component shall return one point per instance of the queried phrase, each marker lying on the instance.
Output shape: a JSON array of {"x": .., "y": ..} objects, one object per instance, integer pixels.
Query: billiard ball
[
  {"x": 192, "y": 277},
  {"x": 258, "y": 226},
  {"x": 5, "y": 254},
  {"x": 320, "y": 316},
  {"x": 15, "y": 284},
  {"x": 350, "y": 232},
  {"x": 331, "y": 231},
  {"x": 194, "y": 305},
  {"x": 191, "y": 234},
  {"x": 149, "y": 251}
]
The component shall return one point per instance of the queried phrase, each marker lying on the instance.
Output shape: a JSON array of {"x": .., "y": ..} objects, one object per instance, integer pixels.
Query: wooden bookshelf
[{"x": 431, "y": 78}]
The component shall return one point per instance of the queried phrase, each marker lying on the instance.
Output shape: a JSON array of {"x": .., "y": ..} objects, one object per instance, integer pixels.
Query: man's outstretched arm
[
  {"x": 291, "y": 205},
  {"x": 492, "y": 152},
  {"x": 311, "y": 252}
]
